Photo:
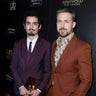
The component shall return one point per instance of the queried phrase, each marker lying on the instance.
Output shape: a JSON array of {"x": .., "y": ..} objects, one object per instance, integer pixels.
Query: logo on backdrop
[
  {"x": 8, "y": 54},
  {"x": 13, "y": 6},
  {"x": 35, "y": 3},
  {"x": 11, "y": 31},
  {"x": 11, "y": 36},
  {"x": 72, "y": 2}
]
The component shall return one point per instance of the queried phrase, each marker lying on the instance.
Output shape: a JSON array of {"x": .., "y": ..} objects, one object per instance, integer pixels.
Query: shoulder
[
  {"x": 44, "y": 41},
  {"x": 82, "y": 44},
  {"x": 20, "y": 41}
]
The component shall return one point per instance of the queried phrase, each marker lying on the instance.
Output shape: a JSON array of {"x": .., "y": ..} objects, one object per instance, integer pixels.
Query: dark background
[{"x": 11, "y": 29}]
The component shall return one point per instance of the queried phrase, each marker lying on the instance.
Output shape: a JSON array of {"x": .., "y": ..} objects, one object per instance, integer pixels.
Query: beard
[
  {"x": 63, "y": 32},
  {"x": 65, "y": 35},
  {"x": 31, "y": 32}
]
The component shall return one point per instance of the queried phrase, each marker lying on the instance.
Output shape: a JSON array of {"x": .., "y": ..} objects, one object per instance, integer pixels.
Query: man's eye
[
  {"x": 35, "y": 23},
  {"x": 27, "y": 23}
]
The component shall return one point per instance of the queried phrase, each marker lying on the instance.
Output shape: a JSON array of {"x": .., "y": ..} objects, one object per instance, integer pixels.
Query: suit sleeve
[
  {"x": 85, "y": 71},
  {"x": 14, "y": 65},
  {"x": 47, "y": 68}
]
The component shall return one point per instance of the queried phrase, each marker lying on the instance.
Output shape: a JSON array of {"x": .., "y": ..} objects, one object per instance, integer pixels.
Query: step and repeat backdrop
[{"x": 11, "y": 27}]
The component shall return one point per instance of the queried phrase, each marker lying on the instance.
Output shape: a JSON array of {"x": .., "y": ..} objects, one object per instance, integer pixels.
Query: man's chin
[
  {"x": 31, "y": 34},
  {"x": 64, "y": 35}
]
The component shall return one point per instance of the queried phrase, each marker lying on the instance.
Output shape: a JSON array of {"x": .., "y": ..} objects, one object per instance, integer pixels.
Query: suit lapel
[
  {"x": 27, "y": 58},
  {"x": 36, "y": 50},
  {"x": 24, "y": 47},
  {"x": 37, "y": 46},
  {"x": 52, "y": 55},
  {"x": 65, "y": 54}
]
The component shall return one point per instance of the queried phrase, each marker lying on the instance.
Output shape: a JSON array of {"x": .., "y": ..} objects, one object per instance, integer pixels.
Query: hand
[
  {"x": 35, "y": 93},
  {"x": 23, "y": 91}
]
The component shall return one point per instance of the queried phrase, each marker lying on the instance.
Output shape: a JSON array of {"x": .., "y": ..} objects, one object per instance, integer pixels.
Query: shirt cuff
[{"x": 38, "y": 90}]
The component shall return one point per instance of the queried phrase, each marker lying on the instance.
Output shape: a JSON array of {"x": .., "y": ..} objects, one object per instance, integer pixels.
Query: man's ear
[
  {"x": 74, "y": 24},
  {"x": 24, "y": 26},
  {"x": 40, "y": 26}
]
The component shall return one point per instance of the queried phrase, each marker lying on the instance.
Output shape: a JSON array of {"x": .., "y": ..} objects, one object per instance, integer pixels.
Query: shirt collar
[
  {"x": 33, "y": 40},
  {"x": 67, "y": 39}
]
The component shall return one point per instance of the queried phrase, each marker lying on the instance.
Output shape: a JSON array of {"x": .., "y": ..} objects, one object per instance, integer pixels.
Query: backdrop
[{"x": 11, "y": 27}]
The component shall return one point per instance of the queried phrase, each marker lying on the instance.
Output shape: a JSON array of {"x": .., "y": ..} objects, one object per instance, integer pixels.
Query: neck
[
  {"x": 67, "y": 37},
  {"x": 32, "y": 37}
]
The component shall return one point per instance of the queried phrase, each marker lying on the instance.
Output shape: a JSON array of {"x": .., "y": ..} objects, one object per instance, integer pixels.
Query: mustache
[
  {"x": 62, "y": 29},
  {"x": 31, "y": 30}
]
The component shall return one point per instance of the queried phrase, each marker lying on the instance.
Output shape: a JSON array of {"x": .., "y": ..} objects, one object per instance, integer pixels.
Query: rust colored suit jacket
[{"x": 73, "y": 74}]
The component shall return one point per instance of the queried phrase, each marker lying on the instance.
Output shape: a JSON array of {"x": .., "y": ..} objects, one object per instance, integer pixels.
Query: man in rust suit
[{"x": 71, "y": 60}]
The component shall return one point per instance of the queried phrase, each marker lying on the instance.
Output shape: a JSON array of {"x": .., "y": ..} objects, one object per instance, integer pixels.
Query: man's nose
[
  {"x": 31, "y": 25},
  {"x": 62, "y": 25}
]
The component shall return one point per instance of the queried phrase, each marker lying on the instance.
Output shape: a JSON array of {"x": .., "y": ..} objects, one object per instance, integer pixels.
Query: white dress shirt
[{"x": 33, "y": 43}]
